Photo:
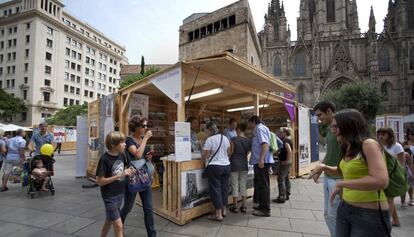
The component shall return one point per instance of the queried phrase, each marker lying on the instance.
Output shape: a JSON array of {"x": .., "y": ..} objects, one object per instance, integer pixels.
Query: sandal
[
  {"x": 243, "y": 209},
  {"x": 214, "y": 218},
  {"x": 233, "y": 209}
]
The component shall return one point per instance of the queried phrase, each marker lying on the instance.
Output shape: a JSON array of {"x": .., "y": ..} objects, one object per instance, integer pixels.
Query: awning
[{"x": 12, "y": 128}]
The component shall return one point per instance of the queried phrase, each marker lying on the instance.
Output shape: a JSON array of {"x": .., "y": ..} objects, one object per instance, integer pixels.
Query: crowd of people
[{"x": 355, "y": 169}]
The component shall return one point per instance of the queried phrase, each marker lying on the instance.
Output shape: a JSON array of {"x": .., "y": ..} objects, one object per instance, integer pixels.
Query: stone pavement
[{"x": 75, "y": 211}]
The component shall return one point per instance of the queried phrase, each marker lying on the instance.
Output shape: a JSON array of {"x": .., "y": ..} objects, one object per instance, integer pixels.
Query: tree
[
  {"x": 136, "y": 77},
  {"x": 361, "y": 96},
  {"x": 67, "y": 116},
  {"x": 142, "y": 65},
  {"x": 10, "y": 105}
]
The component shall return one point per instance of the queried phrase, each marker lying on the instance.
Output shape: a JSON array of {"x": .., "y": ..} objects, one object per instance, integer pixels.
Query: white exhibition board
[
  {"x": 81, "y": 145},
  {"x": 170, "y": 84},
  {"x": 304, "y": 136}
]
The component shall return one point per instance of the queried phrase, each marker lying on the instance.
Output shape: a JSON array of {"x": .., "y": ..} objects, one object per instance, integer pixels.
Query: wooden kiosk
[{"x": 238, "y": 86}]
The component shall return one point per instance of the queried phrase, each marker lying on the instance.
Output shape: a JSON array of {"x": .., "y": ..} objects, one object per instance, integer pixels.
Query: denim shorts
[
  {"x": 113, "y": 207},
  {"x": 361, "y": 222}
]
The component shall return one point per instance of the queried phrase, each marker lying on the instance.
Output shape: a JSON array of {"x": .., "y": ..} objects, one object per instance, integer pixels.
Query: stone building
[
  {"x": 331, "y": 51},
  {"x": 230, "y": 29},
  {"x": 52, "y": 59}
]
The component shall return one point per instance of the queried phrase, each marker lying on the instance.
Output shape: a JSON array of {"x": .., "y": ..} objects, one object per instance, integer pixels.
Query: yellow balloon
[{"x": 46, "y": 149}]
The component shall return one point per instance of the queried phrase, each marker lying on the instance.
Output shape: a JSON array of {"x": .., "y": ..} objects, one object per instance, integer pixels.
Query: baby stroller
[{"x": 34, "y": 185}]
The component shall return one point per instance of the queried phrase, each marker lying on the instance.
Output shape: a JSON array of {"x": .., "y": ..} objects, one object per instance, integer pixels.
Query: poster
[
  {"x": 182, "y": 141},
  {"x": 59, "y": 134},
  {"x": 138, "y": 106},
  {"x": 314, "y": 134},
  {"x": 106, "y": 121},
  {"x": 70, "y": 134},
  {"x": 194, "y": 189},
  {"x": 304, "y": 136},
  {"x": 170, "y": 84},
  {"x": 93, "y": 142}
]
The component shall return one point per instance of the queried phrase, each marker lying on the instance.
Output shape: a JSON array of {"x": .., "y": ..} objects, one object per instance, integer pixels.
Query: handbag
[
  {"x": 204, "y": 174},
  {"x": 139, "y": 180}
]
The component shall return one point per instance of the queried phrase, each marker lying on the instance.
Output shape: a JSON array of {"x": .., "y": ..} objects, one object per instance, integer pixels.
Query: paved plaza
[{"x": 75, "y": 211}]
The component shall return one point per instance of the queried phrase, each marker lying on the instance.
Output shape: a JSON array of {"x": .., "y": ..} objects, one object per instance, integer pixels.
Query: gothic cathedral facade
[{"x": 331, "y": 51}]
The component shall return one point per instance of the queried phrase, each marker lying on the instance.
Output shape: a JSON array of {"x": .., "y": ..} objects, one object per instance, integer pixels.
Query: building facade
[
  {"x": 51, "y": 59},
  {"x": 331, "y": 51},
  {"x": 230, "y": 29}
]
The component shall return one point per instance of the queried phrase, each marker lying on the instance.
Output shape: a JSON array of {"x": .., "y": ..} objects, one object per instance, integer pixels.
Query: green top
[
  {"x": 333, "y": 152},
  {"x": 356, "y": 169}
]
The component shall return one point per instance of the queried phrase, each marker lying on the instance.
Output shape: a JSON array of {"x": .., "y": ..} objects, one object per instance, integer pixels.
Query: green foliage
[
  {"x": 137, "y": 77},
  {"x": 10, "y": 105},
  {"x": 361, "y": 96},
  {"x": 142, "y": 65},
  {"x": 67, "y": 116}
]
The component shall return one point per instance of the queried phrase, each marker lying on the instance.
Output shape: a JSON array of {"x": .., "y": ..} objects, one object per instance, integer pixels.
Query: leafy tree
[
  {"x": 361, "y": 96},
  {"x": 142, "y": 65},
  {"x": 10, "y": 105},
  {"x": 67, "y": 116},
  {"x": 136, "y": 77}
]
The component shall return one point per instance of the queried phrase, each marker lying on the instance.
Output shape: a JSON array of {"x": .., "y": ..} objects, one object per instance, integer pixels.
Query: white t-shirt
[
  {"x": 395, "y": 149},
  {"x": 212, "y": 144}
]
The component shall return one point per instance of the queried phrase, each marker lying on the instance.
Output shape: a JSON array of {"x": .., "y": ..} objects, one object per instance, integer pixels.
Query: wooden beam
[
  {"x": 126, "y": 103},
  {"x": 181, "y": 106},
  {"x": 256, "y": 103}
]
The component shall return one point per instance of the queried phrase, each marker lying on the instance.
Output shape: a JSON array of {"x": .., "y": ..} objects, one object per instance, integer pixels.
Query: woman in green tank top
[{"x": 363, "y": 211}]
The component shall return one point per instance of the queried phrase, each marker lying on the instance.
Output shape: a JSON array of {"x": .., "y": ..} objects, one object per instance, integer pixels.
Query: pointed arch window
[
  {"x": 412, "y": 58},
  {"x": 301, "y": 94},
  {"x": 386, "y": 91},
  {"x": 277, "y": 66},
  {"x": 330, "y": 11},
  {"x": 299, "y": 65},
  {"x": 384, "y": 60}
]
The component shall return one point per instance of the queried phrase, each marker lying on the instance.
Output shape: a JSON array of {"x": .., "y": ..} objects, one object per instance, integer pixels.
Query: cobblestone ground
[{"x": 75, "y": 211}]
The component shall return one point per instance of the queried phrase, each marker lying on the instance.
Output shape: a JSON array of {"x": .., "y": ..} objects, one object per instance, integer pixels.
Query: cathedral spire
[
  {"x": 372, "y": 21},
  {"x": 390, "y": 4}
]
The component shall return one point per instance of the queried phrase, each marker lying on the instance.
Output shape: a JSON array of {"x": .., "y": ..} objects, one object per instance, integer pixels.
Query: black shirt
[
  {"x": 283, "y": 151},
  {"x": 109, "y": 166},
  {"x": 131, "y": 142},
  {"x": 238, "y": 160}
]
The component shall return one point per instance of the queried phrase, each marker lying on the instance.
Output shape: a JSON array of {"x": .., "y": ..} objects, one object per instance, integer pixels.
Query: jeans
[
  {"x": 283, "y": 181},
  {"x": 218, "y": 184},
  {"x": 58, "y": 147},
  {"x": 146, "y": 199},
  {"x": 263, "y": 187},
  {"x": 361, "y": 222},
  {"x": 330, "y": 211}
]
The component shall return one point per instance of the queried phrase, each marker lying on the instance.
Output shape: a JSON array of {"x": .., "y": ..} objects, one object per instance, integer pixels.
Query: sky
[{"x": 150, "y": 27}]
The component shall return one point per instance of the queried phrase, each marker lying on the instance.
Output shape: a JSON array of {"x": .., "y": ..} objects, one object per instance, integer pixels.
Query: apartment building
[{"x": 51, "y": 59}]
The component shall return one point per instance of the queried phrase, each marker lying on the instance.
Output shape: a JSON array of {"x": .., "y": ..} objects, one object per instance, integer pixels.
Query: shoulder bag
[{"x": 204, "y": 174}]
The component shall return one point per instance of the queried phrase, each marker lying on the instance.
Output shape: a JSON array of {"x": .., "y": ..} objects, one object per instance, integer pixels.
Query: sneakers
[
  {"x": 261, "y": 213},
  {"x": 279, "y": 200},
  {"x": 257, "y": 207},
  {"x": 411, "y": 202}
]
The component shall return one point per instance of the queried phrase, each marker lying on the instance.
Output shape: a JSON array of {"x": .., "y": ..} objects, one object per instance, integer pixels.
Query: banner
[
  {"x": 304, "y": 136},
  {"x": 70, "y": 134},
  {"x": 81, "y": 145},
  {"x": 59, "y": 134},
  {"x": 170, "y": 84},
  {"x": 106, "y": 121},
  {"x": 138, "y": 106},
  {"x": 290, "y": 107}
]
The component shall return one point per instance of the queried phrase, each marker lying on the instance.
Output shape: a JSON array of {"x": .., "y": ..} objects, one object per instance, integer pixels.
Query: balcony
[
  {"x": 47, "y": 89},
  {"x": 47, "y": 105},
  {"x": 24, "y": 86}
]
